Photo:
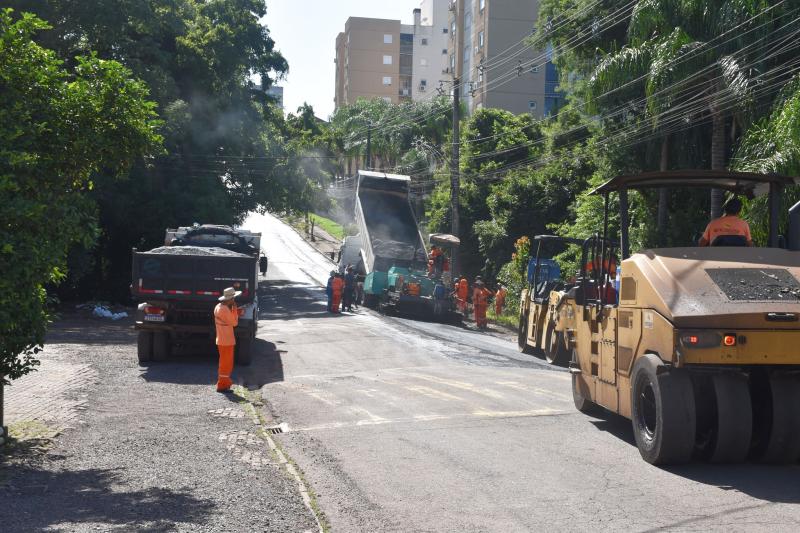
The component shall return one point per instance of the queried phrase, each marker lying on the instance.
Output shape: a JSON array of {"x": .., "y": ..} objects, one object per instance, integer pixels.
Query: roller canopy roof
[
  {"x": 444, "y": 238},
  {"x": 743, "y": 183}
]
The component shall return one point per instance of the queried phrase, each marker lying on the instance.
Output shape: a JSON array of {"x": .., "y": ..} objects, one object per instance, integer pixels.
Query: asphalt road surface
[{"x": 400, "y": 425}]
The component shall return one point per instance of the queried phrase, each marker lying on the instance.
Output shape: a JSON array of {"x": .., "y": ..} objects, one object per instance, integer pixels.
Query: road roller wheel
[
  {"x": 581, "y": 397},
  {"x": 522, "y": 335},
  {"x": 662, "y": 412},
  {"x": 734, "y": 420},
  {"x": 555, "y": 352},
  {"x": 776, "y": 418}
]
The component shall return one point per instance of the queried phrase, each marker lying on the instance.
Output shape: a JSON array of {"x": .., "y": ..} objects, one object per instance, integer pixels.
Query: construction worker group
[
  {"x": 344, "y": 291},
  {"x": 480, "y": 297}
]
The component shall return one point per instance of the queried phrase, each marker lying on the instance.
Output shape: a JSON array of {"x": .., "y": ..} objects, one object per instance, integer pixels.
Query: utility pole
[
  {"x": 454, "y": 177},
  {"x": 369, "y": 146},
  {"x": 455, "y": 183}
]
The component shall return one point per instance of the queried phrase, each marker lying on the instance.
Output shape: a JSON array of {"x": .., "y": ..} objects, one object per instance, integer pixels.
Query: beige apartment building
[
  {"x": 378, "y": 58},
  {"x": 495, "y": 65}
]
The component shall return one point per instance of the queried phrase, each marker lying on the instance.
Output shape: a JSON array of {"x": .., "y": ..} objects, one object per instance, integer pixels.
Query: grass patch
[
  {"x": 28, "y": 437},
  {"x": 506, "y": 318},
  {"x": 328, "y": 225}
]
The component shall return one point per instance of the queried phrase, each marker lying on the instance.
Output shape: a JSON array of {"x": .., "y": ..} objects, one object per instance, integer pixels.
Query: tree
[
  {"x": 207, "y": 64},
  {"x": 59, "y": 126}
]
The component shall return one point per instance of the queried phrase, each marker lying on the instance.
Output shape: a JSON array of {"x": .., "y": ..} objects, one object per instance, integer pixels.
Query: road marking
[
  {"x": 536, "y": 390},
  {"x": 462, "y": 385},
  {"x": 432, "y": 393},
  {"x": 479, "y": 414}
]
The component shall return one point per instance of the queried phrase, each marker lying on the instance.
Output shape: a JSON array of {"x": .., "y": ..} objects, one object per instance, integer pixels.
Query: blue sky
[{"x": 305, "y": 33}]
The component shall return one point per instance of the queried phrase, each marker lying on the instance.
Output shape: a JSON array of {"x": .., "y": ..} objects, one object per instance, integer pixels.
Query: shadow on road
[
  {"x": 287, "y": 300},
  {"x": 198, "y": 368},
  {"x": 43, "y": 499},
  {"x": 771, "y": 483}
]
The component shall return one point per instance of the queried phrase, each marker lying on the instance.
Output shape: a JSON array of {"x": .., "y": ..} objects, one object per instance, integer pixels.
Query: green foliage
[
  {"x": 58, "y": 127},
  {"x": 228, "y": 150}
]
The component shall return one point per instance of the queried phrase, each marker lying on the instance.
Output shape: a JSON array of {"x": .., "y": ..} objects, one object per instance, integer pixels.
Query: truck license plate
[{"x": 154, "y": 318}]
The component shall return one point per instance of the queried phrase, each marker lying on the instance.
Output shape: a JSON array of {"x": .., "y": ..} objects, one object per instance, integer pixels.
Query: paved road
[{"x": 408, "y": 426}]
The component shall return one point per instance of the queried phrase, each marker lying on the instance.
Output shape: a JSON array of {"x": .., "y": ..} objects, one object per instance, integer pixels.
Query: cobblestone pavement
[
  {"x": 54, "y": 395},
  {"x": 141, "y": 448}
]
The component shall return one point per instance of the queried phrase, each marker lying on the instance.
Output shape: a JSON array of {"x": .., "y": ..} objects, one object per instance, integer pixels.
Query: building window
[
  {"x": 481, "y": 4},
  {"x": 444, "y": 30},
  {"x": 453, "y": 62},
  {"x": 532, "y": 106},
  {"x": 423, "y": 83},
  {"x": 387, "y": 38},
  {"x": 387, "y": 80},
  {"x": 453, "y": 28},
  {"x": 423, "y": 42},
  {"x": 423, "y": 62},
  {"x": 480, "y": 39},
  {"x": 387, "y": 60},
  {"x": 444, "y": 51}
]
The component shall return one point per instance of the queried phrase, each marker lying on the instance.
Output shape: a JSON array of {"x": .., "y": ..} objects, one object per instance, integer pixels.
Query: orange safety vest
[
  {"x": 480, "y": 296},
  {"x": 462, "y": 289},
  {"x": 225, "y": 319},
  {"x": 337, "y": 285}
]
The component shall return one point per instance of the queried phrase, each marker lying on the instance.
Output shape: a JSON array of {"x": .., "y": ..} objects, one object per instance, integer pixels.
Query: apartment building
[
  {"x": 378, "y": 58},
  {"x": 496, "y": 67}
]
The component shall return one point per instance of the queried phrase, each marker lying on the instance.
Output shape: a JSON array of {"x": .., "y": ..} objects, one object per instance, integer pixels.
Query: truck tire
[
  {"x": 522, "y": 335},
  {"x": 662, "y": 412},
  {"x": 734, "y": 421},
  {"x": 244, "y": 351},
  {"x": 144, "y": 347},
  {"x": 161, "y": 345},
  {"x": 581, "y": 398},
  {"x": 780, "y": 422},
  {"x": 556, "y": 352}
]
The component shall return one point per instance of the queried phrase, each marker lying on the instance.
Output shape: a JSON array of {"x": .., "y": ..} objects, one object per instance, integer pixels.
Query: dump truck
[
  {"x": 536, "y": 330},
  {"x": 699, "y": 346},
  {"x": 178, "y": 285},
  {"x": 390, "y": 252}
]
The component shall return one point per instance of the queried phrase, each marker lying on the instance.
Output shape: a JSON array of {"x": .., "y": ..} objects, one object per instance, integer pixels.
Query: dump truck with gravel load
[
  {"x": 178, "y": 285},
  {"x": 391, "y": 251},
  {"x": 698, "y": 346}
]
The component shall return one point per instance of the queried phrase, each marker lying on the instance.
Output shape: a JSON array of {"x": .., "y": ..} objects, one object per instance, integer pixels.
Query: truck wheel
[
  {"x": 370, "y": 300},
  {"x": 778, "y": 420},
  {"x": 581, "y": 397},
  {"x": 161, "y": 345},
  {"x": 555, "y": 353},
  {"x": 734, "y": 422},
  {"x": 522, "y": 335},
  {"x": 244, "y": 352},
  {"x": 144, "y": 347},
  {"x": 662, "y": 412}
]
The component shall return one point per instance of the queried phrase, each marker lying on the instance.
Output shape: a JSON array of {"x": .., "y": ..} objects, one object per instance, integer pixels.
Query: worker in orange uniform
[
  {"x": 226, "y": 317},
  {"x": 500, "y": 299},
  {"x": 462, "y": 291},
  {"x": 729, "y": 228},
  {"x": 338, "y": 289},
  {"x": 480, "y": 302}
]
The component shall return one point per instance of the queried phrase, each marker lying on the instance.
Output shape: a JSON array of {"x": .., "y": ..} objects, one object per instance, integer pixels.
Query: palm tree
[{"x": 696, "y": 51}]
